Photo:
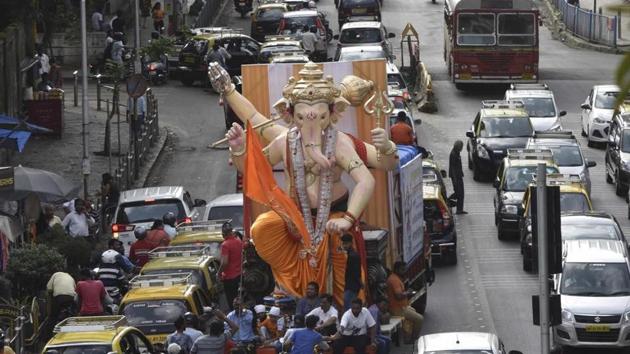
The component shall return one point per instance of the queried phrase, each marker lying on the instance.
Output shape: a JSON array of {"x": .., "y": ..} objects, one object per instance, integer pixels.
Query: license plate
[
  {"x": 527, "y": 77},
  {"x": 597, "y": 328},
  {"x": 359, "y": 11},
  {"x": 189, "y": 60},
  {"x": 465, "y": 76},
  {"x": 241, "y": 3},
  {"x": 158, "y": 338}
]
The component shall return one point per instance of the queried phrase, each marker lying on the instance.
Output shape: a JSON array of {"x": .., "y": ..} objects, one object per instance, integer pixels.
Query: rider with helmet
[
  {"x": 170, "y": 221},
  {"x": 139, "y": 251},
  {"x": 111, "y": 274}
]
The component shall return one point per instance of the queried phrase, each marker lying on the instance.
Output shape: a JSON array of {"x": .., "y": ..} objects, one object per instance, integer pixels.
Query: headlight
[
  {"x": 529, "y": 229},
  {"x": 626, "y": 316},
  {"x": 482, "y": 153},
  {"x": 567, "y": 316},
  {"x": 509, "y": 209},
  {"x": 600, "y": 120}
]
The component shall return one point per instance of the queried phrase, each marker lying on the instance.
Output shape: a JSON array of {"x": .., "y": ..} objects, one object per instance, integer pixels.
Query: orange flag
[{"x": 260, "y": 186}]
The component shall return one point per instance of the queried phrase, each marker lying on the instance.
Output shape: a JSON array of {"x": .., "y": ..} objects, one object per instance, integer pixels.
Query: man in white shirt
[
  {"x": 77, "y": 223},
  {"x": 357, "y": 329},
  {"x": 328, "y": 316},
  {"x": 62, "y": 287},
  {"x": 309, "y": 39}
]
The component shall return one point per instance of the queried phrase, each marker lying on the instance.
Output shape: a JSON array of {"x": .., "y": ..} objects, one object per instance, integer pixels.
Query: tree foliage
[
  {"x": 158, "y": 47},
  {"x": 31, "y": 266}
]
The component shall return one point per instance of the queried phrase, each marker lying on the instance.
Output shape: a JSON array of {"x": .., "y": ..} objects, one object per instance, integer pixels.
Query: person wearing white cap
[
  {"x": 174, "y": 348},
  {"x": 272, "y": 329},
  {"x": 261, "y": 315}
]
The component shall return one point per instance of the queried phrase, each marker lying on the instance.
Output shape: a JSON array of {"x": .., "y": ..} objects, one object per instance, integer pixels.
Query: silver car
[
  {"x": 540, "y": 103},
  {"x": 594, "y": 289},
  {"x": 462, "y": 342},
  {"x": 363, "y": 33},
  {"x": 567, "y": 154}
]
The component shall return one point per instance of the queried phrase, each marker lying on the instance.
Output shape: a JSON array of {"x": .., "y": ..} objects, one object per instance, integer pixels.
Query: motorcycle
[
  {"x": 243, "y": 7},
  {"x": 155, "y": 71}
]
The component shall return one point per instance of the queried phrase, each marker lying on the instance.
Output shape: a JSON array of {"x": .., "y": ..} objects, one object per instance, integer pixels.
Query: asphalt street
[{"x": 487, "y": 290}]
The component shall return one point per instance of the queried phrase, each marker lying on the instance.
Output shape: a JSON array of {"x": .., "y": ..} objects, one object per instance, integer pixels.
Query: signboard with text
[{"x": 412, "y": 208}]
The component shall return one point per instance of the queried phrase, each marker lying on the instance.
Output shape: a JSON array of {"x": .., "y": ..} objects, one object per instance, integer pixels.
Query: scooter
[
  {"x": 243, "y": 7},
  {"x": 155, "y": 71}
]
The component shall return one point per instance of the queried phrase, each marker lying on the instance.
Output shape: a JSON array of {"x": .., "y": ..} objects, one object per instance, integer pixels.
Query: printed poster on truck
[{"x": 412, "y": 208}]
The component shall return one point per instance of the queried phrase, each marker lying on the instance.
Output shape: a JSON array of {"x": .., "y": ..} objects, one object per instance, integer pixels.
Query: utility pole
[
  {"x": 85, "y": 163},
  {"x": 543, "y": 265},
  {"x": 137, "y": 42}
]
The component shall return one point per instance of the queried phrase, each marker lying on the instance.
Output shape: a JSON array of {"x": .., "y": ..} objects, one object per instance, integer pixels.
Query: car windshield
[
  {"x": 149, "y": 210},
  {"x": 80, "y": 349},
  {"x": 573, "y": 202},
  {"x": 506, "y": 127},
  {"x": 625, "y": 142},
  {"x": 228, "y": 212},
  {"x": 360, "y": 35},
  {"x": 358, "y": 3},
  {"x": 360, "y": 55},
  {"x": 567, "y": 156},
  {"x": 517, "y": 178},
  {"x": 297, "y": 23},
  {"x": 475, "y": 29},
  {"x": 538, "y": 107},
  {"x": 589, "y": 231},
  {"x": 197, "y": 277},
  {"x": 196, "y": 46},
  {"x": 606, "y": 99},
  {"x": 398, "y": 79},
  {"x": 595, "y": 279},
  {"x": 273, "y": 14},
  {"x": 159, "y": 315}
]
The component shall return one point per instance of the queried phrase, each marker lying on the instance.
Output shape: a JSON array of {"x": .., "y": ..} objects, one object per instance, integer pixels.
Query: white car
[
  {"x": 362, "y": 33},
  {"x": 597, "y": 112},
  {"x": 227, "y": 206},
  {"x": 462, "y": 342},
  {"x": 396, "y": 82},
  {"x": 362, "y": 53},
  {"x": 540, "y": 103},
  {"x": 142, "y": 206}
]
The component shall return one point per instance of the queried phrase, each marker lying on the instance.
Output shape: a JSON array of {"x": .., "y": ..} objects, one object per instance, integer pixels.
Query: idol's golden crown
[{"x": 312, "y": 87}]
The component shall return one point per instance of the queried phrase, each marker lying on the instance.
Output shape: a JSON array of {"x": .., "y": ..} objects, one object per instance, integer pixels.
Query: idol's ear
[
  {"x": 339, "y": 106},
  {"x": 284, "y": 110}
]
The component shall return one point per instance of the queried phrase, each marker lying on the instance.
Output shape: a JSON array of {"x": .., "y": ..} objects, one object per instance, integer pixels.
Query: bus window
[
  {"x": 517, "y": 29},
  {"x": 475, "y": 29}
]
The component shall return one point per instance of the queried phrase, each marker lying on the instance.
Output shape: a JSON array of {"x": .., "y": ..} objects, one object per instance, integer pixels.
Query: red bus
[{"x": 491, "y": 41}]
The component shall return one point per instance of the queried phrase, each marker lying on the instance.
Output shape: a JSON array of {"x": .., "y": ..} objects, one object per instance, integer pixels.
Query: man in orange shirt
[
  {"x": 401, "y": 133},
  {"x": 399, "y": 299}
]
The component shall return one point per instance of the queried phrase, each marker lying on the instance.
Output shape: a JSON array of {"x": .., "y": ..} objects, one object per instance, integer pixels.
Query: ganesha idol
[{"x": 315, "y": 155}]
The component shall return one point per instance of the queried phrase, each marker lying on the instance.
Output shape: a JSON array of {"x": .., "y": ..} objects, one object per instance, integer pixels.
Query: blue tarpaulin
[
  {"x": 14, "y": 138},
  {"x": 7, "y": 122}
]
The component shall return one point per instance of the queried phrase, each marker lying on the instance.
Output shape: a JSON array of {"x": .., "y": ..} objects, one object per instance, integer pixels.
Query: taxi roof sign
[
  {"x": 502, "y": 104},
  {"x": 90, "y": 324},
  {"x": 532, "y": 87},
  {"x": 180, "y": 251},
  {"x": 166, "y": 280},
  {"x": 206, "y": 225},
  {"x": 530, "y": 154}
]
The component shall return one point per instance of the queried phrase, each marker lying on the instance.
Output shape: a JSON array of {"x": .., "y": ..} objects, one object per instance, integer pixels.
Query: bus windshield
[
  {"x": 517, "y": 29},
  {"x": 475, "y": 29}
]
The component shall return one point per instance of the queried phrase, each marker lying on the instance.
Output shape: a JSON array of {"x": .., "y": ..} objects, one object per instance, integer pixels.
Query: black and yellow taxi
[
  {"x": 200, "y": 233},
  {"x": 278, "y": 44},
  {"x": 97, "y": 335},
  {"x": 514, "y": 175},
  {"x": 573, "y": 198},
  {"x": 266, "y": 19},
  {"x": 200, "y": 260},
  {"x": 439, "y": 220},
  {"x": 499, "y": 126},
  {"x": 193, "y": 58},
  {"x": 154, "y": 302},
  {"x": 431, "y": 171}
]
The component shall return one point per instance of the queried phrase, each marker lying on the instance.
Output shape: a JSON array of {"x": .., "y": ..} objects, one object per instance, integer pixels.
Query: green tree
[{"x": 31, "y": 266}]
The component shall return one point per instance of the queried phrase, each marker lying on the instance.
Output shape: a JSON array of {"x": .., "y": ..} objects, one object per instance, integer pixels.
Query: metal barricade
[{"x": 588, "y": 25}]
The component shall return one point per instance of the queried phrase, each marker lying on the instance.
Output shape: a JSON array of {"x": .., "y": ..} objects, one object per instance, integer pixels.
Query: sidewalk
[{"x": 64, "y": 156}]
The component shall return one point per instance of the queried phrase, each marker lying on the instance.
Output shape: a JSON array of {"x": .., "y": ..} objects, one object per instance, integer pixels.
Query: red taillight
[
  {"x": 152, "y": 67},
  {"x": 221, "y": 101},
  {"x": 122, "y": 228},
  {"x": 446, "y": 216},
  {"x": 186, "y": 220},
  {"x": 406, "y": 96}
]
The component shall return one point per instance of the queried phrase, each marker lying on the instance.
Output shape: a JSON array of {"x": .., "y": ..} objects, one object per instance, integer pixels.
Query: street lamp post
[
  {"x": 85, "y": 163},
  {"x": 543, "y": 264}
]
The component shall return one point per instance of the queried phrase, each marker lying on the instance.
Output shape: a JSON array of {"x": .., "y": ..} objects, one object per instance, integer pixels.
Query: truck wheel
[
  {"x": 421, "y": 304},
  {"x": 527, "y": 264}
]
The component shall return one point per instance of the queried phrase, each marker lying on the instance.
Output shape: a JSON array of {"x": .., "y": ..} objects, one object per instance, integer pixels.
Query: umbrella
[
  {"x": 16, "y": 183},
  {"x": 13, "y": 139},
  {"x": 7, "y": 122}
]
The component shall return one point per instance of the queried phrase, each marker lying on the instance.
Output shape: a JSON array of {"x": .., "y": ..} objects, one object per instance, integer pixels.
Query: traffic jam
[{"x": 326, "y": 245}]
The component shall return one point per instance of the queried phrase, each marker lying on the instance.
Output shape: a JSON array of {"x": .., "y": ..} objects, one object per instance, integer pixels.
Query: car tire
[
  {"x": 527, "y": 264},
  {"x": 496, "y": 219},
  {"x": 470, "y": 164},
  {"x": 620, "y": 190},
  {"x": 590, "y": 143},
  {"x": 451, "y": 259},
  {"x": 628, "y": 212},
  {"x": 476, "y": 173},
  {"x": 187, "y": 81},
  {"x": 500, "y": 233}
]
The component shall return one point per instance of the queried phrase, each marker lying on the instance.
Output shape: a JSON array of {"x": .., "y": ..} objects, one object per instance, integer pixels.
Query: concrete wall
[{"x": 68, "y": 50}]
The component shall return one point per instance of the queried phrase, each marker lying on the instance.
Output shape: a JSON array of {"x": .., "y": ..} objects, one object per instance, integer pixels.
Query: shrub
[{"x": 31, "y": 266}]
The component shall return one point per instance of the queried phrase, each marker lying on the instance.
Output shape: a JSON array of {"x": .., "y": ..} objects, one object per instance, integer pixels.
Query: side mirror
[
  {"x": 391, "y": 35},
  {"x": 562, "y": 113},
  {"x": 470, "y": 134},
  {"x": 590, "y": 164},
  {"x": 496, "y": 183},
  {"x": 199, "y": 202},
  {"x": 443, "y": 173},
  {"x": 336, "y": 36},
  {"x": 585, "y": 106}
]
